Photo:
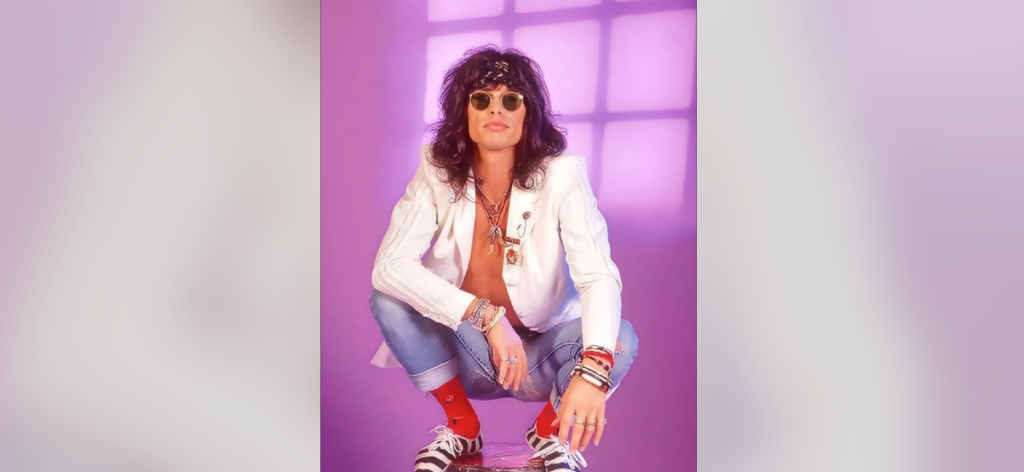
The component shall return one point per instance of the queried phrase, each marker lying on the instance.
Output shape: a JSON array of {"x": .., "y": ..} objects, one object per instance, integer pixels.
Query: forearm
[
  {"x": 601, "y": 306},
  {"x": 431, "y": 295}
]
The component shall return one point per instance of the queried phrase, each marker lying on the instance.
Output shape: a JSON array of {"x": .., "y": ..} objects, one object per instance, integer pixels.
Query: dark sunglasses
[{"x": 510, "y": 101}]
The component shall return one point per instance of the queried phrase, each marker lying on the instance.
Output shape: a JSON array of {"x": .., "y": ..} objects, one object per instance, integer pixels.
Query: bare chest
[{"x": 486, "y": 263}]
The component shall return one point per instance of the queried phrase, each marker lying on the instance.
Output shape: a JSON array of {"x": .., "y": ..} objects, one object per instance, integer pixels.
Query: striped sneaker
[
  {"x": 556, "y": 456},
  {"x": 533, "y": 440},
  {"x": 445, "y": 448}
]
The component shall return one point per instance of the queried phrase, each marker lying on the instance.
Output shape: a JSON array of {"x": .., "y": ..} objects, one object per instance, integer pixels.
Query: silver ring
[
  {"x": 506, "y": 361},
  {"x": 580, "y": 422},
  {"x": 604, "y": 420}
]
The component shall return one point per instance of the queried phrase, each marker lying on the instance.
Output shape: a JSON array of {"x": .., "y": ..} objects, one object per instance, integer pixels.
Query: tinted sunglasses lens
[
  {"x": 511, "y": 102},
  {"x": 480, "y": 101}
]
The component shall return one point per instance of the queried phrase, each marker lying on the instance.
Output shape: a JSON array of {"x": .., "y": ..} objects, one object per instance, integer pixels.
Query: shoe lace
[
  {"x": 446, "y": 439},
  {"x": 574, "y": 460}
]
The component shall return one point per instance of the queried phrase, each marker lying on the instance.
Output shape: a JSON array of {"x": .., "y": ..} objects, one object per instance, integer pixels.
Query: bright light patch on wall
[
  {"x": 643, "y": 167},
  {"x": 442, "y": 53},
  {"x": 524, "y": 6},
  {"x": 567, "y": 53},
  {"x": 444, "y": 10},
  {"x": 580, "y": 137},
  {"x": 651, "y": 61}
]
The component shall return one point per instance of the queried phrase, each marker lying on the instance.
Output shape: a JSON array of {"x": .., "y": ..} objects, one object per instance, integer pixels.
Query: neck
[{"x": 495, "y": 167}]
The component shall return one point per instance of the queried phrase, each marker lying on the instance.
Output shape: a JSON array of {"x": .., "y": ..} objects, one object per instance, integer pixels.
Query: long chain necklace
[{"x": 494, "y": 213}]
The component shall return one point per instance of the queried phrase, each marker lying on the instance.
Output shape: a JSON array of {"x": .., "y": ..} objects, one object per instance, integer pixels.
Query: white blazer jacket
[{"x": 564, "y": 270}]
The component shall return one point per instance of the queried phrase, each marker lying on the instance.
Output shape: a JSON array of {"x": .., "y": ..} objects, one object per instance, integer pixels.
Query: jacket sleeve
[
  {"x": 585, "y": 239},
  {"x": 398, "y": 271}
]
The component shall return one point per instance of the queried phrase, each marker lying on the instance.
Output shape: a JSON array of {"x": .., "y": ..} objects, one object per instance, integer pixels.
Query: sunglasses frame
[{"x": 490, "y": 100}]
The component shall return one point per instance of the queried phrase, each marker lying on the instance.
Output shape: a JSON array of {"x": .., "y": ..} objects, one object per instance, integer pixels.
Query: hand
[
  {"x": 506, "y": 344},
  {"x": 585, "y": 402}
]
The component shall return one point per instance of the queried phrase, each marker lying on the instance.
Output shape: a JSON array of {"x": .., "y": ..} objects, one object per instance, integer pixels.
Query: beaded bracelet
[
  {"x": 597, "y": 352},
  {"x": 599, "y": 355},
  {"x": 600, "y": 362}
]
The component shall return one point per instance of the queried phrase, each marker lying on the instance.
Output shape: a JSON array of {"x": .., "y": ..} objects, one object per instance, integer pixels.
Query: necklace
[{"x": 494, "y": 212}]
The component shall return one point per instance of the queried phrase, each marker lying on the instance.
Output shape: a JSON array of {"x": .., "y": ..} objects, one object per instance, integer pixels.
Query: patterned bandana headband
[{"x": 496, "y": 72}]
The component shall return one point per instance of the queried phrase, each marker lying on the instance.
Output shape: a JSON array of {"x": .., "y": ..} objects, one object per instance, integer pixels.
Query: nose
[{"x": 495, "y": 108}]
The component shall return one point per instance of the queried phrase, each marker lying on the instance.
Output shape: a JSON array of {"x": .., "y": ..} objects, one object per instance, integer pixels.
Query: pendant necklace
[{"x": 494, "y": 212}]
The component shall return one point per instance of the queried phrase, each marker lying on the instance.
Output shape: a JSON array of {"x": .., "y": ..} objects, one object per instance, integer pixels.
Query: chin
[{"x": 496, "y": 145}]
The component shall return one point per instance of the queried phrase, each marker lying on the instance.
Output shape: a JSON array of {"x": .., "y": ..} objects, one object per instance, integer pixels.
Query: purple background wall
[{"x": 621, "y": 74}]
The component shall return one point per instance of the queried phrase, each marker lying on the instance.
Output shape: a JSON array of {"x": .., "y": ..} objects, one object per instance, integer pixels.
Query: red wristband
[{"x": 602, "y": 355}]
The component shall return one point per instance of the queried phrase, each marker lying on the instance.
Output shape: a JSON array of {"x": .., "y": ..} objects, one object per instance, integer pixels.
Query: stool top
[{"x": 499, "y": 457}]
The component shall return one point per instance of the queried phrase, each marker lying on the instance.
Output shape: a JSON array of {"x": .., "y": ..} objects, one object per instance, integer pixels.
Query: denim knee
[{"x": 391, "y": 313}]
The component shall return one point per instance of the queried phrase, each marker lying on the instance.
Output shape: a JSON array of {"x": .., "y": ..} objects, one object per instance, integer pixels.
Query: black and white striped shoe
[
  {"x": 556, "y": 456},
  {"x": 533, "y": 440},
  {"x": 445, "y": 448}
]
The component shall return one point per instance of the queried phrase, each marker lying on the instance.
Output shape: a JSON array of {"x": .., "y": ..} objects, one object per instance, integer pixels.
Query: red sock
[
  {"x": 544, "y": 420},
  {"x": 461, "y": 417}
]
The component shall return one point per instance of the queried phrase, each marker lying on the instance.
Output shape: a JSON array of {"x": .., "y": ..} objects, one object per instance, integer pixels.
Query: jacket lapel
[
  {"x": 465, "y": 220},
  {"x": 520, "y": 208}
]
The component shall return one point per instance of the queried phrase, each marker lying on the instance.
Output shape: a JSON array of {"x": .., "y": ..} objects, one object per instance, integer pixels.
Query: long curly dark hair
[{"x": 453, "y": 153}]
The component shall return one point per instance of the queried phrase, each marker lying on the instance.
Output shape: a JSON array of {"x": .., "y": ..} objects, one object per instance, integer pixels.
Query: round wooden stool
[{"x": 500, "y": 457}]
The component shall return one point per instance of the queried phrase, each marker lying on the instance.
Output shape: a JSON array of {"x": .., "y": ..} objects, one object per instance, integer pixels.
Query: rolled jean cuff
[{"x": 434, "y": 377}]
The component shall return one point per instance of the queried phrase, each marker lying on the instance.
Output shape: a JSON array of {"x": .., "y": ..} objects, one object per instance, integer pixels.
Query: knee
[
  {"x": 390, "y": 312},
  {"x": 627, "y": 341}
]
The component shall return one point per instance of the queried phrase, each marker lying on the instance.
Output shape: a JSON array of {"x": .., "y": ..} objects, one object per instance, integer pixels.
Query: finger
[
  {"x": 495, "y": 356},
  {"x": 522, "y": 378},
  {"x": 517, "y": 375},
  {"x": 503, "y": 369},
  {"x": 563, "y": 427},
  {"x": 523, "y": 371},
  {"x": 510, "y": 370},
  {"x": 588, "y": 431},
  {"x": 558, "y": 420},
  {"x": 577, "y": 431},
  {"x": 513, "y": 369},
  {"x": 600, "y": 427}
]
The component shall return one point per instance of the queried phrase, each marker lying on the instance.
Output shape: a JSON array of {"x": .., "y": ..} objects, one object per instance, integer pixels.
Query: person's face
[{"x": 495, "y": 127}]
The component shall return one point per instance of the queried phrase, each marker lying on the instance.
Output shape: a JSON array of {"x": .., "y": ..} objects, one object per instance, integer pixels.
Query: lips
[{"x": 496, "y": 126}]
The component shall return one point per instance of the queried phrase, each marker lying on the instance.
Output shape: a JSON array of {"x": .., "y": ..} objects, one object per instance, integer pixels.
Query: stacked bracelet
[
  {"x": 494, "y": 320},
  {"x": 604, "y": 364},
  {"x": 596, "y": 352},
  {"x": 592, "y": 376},
  {"x": 599, "y": 350},
  {"x": 476, "y": 320}
]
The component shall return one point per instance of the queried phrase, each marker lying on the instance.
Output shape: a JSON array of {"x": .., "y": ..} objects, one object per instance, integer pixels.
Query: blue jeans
[{"x": 432, "y": 354}]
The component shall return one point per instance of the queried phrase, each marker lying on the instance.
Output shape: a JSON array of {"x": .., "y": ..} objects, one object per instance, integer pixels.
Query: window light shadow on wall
[{"x": 621, "y": 76}]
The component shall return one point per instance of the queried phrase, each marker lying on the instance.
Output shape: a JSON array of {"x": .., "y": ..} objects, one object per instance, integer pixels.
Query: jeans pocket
[
  {"x": 528, "y": 392},
  {"x": 482, "y": 384}
]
